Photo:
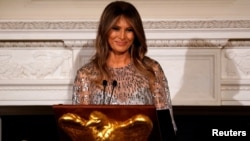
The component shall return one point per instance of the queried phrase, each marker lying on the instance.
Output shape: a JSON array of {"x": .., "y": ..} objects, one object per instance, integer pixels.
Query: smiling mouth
[{"x": 121, "y": 43}]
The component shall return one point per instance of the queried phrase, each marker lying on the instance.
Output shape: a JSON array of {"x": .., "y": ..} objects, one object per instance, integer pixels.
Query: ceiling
[{"x": 149, "y": 9}]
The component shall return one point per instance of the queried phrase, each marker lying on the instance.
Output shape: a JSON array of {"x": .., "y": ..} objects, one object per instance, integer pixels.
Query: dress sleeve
[
  {"x": 81, "y": 89},
  {"x": 161, "y": 93}
]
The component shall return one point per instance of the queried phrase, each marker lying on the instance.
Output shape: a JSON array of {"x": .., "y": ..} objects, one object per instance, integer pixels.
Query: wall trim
[
  {"x": 192, "y": 43},
  {"x": 154, "y": 24},
  {"x": 155, "y": 29}
]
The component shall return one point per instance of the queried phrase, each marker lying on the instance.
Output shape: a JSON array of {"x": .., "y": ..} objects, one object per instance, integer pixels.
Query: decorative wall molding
[
  {"x": 192, "y": 43},
  {"x": 155, "y": 29},
  {"x": 156, "y": 24},
  {"x": 27, "y": 44},
  {"x": 238, "y": 43},
  {"x": 79, "y": 43},
  {"x": 236, "y": 64},
  {"x": 36, "y": 64}
]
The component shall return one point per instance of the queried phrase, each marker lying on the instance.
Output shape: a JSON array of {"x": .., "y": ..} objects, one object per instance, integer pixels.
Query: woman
[{"x": 120, "y": 72}]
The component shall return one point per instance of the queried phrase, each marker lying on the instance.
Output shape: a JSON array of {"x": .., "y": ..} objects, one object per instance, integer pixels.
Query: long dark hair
[{"x": 109, "y": 17}]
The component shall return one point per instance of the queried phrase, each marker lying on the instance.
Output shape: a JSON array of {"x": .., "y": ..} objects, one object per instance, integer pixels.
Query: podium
[{"x": 107, "y": 122}]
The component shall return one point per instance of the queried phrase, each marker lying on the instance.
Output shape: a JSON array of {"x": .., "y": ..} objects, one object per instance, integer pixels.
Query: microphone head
[
  {"x": 104, "y": 82},
  {"x": 114, "y": 83}
]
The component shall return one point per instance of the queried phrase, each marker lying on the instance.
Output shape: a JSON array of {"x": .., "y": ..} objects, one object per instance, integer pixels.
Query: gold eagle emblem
[{"x": 99, "y": 127}]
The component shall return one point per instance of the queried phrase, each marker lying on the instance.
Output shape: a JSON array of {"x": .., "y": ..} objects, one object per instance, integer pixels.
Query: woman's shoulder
[
  {"x": 88, "y": 71},
  {"x": 154, "y": 64},
  {"x": 151, "y": 62},
  {"x": 87, "y": 68}
]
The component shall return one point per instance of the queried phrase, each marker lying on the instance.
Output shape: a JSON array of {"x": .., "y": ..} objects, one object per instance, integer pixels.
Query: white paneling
[
  {"x": 236, "y": 64},
  {"x": 192, "y": 74},
  {"x": 235, "y": 88},
  {"x": 83, "y": 56},
  {"x": 35, "y": 75},
  {"x": 35, "y": 63},
  {"x": 237, "y": 93},
  {"x": 31, "y": 95}
]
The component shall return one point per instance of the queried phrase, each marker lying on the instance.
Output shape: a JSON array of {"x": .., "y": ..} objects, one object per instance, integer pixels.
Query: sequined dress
[{"x": 132, "y": 88}]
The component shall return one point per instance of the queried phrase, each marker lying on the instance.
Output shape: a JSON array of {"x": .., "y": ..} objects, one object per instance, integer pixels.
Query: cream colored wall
[
  {"x": 203, "y": 46},
  {"x": 149, "y": 9}
]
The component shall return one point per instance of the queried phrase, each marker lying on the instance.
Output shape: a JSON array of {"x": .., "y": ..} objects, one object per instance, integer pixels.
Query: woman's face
[{"x": 121, "y": 36}]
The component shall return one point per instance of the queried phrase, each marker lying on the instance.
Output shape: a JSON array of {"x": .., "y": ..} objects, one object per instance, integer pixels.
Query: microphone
[
  {"x": 114, "y": 84},
  {"x": 104, "y": 83}
]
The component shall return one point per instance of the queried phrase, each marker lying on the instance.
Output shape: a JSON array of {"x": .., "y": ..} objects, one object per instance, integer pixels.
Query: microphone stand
[
  {"x": 114, "y": 84},
  {"x": 104, "y": 83}
]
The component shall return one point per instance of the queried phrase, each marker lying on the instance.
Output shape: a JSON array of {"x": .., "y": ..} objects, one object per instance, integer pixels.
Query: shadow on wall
[
  {"x": 200, "y": 83},
  {"x": 82, "y": 52}
]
